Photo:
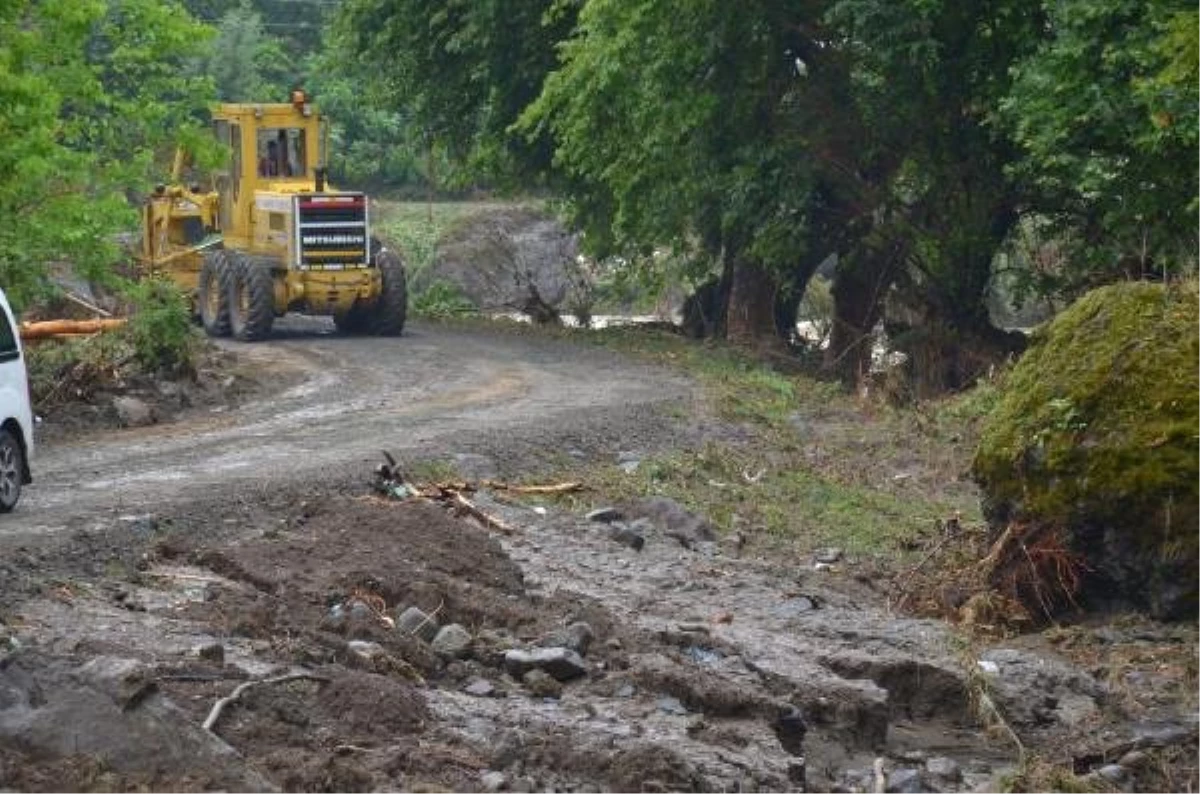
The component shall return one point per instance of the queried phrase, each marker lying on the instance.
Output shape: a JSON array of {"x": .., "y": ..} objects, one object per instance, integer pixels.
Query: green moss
[{"x": 1098, "y": 421}]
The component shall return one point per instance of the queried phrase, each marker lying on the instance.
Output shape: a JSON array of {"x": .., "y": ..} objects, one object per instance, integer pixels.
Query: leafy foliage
[
  {"x": 1105, "y": 113},
  {"x": 95, "y": 94},
  {"x": 161, "y": 330}
]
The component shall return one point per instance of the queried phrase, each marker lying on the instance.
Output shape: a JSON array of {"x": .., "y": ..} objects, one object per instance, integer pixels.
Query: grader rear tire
[
  {"x": 391, "y": 309},
  {"x": 213, "y": 292},
  {"x": 252, "y": 299}
]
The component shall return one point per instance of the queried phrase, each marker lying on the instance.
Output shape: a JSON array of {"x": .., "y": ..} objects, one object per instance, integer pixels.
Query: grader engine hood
[{"x": 332, "y": 231}]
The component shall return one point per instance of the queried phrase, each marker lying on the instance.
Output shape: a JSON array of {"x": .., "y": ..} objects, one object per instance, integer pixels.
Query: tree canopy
[{"x": 93, "y": 92}]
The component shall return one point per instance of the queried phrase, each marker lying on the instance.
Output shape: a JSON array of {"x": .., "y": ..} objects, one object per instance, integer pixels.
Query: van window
[{"x": 8, "y": 340}]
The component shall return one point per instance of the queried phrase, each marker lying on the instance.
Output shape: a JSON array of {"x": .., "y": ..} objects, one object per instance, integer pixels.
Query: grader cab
[{"x": 270, "y": 236}]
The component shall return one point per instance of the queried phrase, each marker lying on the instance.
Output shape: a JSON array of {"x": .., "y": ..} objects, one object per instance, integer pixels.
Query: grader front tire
[
  {"x": 213, "y": 292},
  {"x": 252, "y": 300}
]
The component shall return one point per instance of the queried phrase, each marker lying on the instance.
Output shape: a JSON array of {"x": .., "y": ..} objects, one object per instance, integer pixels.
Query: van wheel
[
  {"x": 12, "y": 468},
  {"x": 252, "y": 299},
  {"x": 213, "y": 293}
]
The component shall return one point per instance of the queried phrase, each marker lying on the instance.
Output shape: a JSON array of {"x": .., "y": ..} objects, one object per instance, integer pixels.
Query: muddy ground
[{"x": 152, "y": 572}]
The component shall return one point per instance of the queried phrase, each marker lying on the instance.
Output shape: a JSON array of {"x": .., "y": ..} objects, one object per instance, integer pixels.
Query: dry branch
[{"x": 233, "y": 697}]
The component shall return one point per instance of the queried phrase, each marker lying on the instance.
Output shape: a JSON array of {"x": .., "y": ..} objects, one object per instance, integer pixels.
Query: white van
[{"x": 16, "y": 417}]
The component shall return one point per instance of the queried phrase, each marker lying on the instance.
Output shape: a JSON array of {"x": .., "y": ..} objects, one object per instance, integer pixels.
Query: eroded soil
[{"x": 153, "y": 572}]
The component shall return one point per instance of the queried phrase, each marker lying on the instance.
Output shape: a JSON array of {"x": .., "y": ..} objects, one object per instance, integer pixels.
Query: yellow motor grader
[{"x": 270, "y": 236}]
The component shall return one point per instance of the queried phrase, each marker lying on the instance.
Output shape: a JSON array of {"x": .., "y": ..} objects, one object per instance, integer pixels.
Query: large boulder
[
  {"x": 1095, "y": 436},
  {"x": 508, "y": 259}
]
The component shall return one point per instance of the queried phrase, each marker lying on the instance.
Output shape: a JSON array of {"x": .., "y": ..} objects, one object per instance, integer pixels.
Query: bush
[
  {"x": 160, "y": 329},
  {"x": 440, "y": 300}
]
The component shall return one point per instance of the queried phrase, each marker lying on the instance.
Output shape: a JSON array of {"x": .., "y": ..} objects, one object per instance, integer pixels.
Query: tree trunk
[
  {"x": 750, "y": 319},
  {"x": 858, "y": 290}
]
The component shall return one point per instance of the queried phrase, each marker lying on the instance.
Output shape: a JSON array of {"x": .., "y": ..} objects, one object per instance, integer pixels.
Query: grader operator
[{"x": 270, "y": 236}]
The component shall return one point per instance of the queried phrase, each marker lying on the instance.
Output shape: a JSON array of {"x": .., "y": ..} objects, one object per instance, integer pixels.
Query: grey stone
[
  {"x": 480, "y": 687},
  {"x": 365, "y": 650},
  {"x": 578, "y": 637},
  {"x": 132, "y": 412},
  {"x": 626, "y": 535},
  {"x": 630, "y": 466},
  {"x": 1133, "y": 759},
  {"x": 605, "y": 514},
  {"x": 794, "y": 606},
  {"x": 1113, "y": 773},
  {"x": 628, "y": 457},
  {"x": 493, "y": 781},
  {"x": 1034, "y": 691},
  {"x": 563, "y": 664},
  {"x": 828, "y": 556},
  {"x": 944, "y": 768},
  {"x": 414, "y": 622},
  {"x": 452, "y": 640},
  {"x": 674, "y": 520},
  {"x": 904, "y": 781},
  {"x": 523, "y": 785},
  {"x": 625, "y": 691},
  {"x": 671, "y": 705}
]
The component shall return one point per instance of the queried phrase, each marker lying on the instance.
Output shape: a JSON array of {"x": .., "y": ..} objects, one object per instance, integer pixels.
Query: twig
[
  {"x": 85, "y": 304},
  {"x": 557, "y": 488},
  {"x": 428, "y": 618},
  {"x": 220, "y": 705},
  {"x": 908, "y": 579},
  {"x": 491, "y": 522}
]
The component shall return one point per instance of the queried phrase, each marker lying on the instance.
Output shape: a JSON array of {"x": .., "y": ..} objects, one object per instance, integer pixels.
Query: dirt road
[{"x": 432, "y": 391}]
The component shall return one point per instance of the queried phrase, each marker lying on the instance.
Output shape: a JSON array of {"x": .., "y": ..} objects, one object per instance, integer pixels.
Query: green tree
[
  {"x": 1105, "y": 114},
  {"x": 245, "y": 61},
  {"x": 94, "y": 94}
]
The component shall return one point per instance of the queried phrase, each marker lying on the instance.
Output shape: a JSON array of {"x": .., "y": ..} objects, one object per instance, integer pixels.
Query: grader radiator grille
[{"x": 332, "y": 232}]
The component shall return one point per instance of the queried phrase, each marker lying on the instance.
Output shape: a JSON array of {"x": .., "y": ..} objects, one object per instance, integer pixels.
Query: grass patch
[{"x": 800, "y": 463}]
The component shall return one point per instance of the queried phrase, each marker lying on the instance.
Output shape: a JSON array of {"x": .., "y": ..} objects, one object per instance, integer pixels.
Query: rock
[
  {"x": 132, "y": 412},
  {"x": 605, "y": 514},
  {"x": 1133, "y": 759},
  {"x": 671, "y": 705},
  {"x": 791, "y": 729},
  {"x": 828, "y": 556},
  {"x": 414, "y": 622},
  {"x": 366, "y": 651},
  {"x": 1034, "y": 691},
  {"x": 498, "y": 259},
  {"x": 480, "y": 687},
  {"x": 542, "y": 684},
  {"x": 561, "y": 663},
  {"x": 904, "y": 781},
  {"x": 628, "y": 457},
  {"x": 1069, "y": 445},
  {"x": 674, "y": 520},
  {"x": 1113, "y": 773},
  {"x": 943, "y": 768},
  {"x": 626, "y": 535},
  {"x": 578, "y": 637},
  {"x": 493, "y": 781},
  {"x": 625, "y": 691},
  {"x": 523, "y": 785},
  {"x": 452, "y": 640},
  {"x": 794, "y": 606},
  {"x": 629, "y": 466}
]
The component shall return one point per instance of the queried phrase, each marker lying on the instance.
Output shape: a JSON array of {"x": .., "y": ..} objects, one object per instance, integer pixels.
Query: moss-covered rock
[{"x": 1096, "y": 433}]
